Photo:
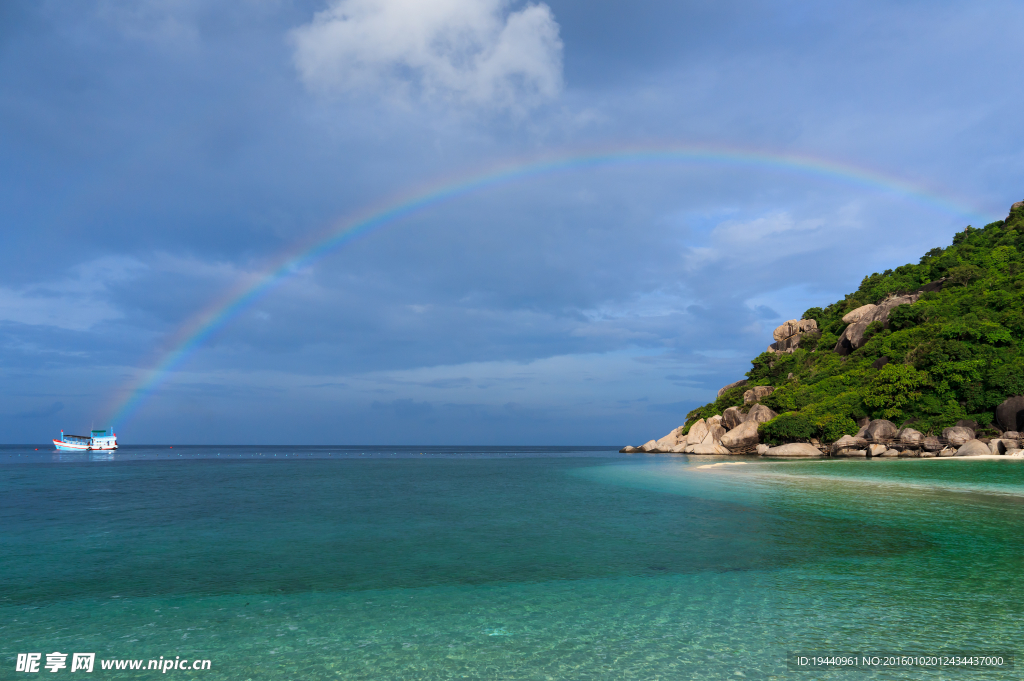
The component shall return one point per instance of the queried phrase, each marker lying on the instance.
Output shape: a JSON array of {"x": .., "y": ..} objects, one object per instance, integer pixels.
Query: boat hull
[
  {"x": 105, "y": 446},
  {"x": 70, "y": 446}
]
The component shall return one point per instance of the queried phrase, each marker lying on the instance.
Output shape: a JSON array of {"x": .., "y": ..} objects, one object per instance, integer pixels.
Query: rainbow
[{"x": 209, "y": 321}]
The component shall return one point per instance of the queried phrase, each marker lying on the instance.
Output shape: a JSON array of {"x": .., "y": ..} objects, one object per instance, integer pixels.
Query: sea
[{"x": 508, "y": 563}]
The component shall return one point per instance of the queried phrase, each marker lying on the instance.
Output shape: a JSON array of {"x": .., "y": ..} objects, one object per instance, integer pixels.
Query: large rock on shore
[
  {"x": 880, "y": 429},
  {"x": 760, "y": 413},
  {"x": 1010, "y": 414},
  {"x": 671, "y": 440},
  {"x": 909, "y": 436},
  {"x": 794, "y": 450},
  {"x": 698, "y": 431},
  {"x": 858, "y": 320},
  {"x": 931, "y": 444},
  {"x": 849, "y": 442},
  {"x": 715, "y": 433},
  {"x": 743, "y": 435},
  {"x": 1001, "y": 446},
  {"x": 958, "y": 435},
  {"x": 732, "y": 417},
  {"x": 973, "y": 448}
]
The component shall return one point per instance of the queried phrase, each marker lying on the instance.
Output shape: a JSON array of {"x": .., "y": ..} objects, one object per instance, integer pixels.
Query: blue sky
[{"x": 155, "y": 155}]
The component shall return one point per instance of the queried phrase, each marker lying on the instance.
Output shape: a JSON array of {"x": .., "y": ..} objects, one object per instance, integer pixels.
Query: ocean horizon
[{"x": 502, "y": 562}]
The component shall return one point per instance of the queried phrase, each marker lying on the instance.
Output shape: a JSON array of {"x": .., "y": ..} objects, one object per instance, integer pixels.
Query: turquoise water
[{"x": 374, "y": 563}]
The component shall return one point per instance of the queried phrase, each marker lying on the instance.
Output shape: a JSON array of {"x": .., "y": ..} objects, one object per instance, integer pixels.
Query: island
[{"x": 923, "y": 361}]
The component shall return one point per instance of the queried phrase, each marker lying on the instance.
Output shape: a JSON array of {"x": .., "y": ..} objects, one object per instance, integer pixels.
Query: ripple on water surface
[{"x": 507, "y": 567}]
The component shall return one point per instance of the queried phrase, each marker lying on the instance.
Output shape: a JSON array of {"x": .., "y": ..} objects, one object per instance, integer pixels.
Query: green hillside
[{"x": 956, "y": 353}]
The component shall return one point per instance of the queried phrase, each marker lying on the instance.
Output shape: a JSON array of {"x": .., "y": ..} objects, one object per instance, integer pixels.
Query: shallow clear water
[{"x": 502, "y": 563}]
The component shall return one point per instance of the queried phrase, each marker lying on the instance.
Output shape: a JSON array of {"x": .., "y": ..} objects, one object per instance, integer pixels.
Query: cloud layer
[
  {"x": 470, "y": 51},
  {"x": 159, "y": 154}
]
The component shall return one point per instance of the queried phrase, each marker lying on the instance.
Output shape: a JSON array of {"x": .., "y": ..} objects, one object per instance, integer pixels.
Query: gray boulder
[
  {"x": 947, "y": 451},
  {"x": 880, "y": 429},
  {"x": 892, "y": 453},
  {"x": 760, "y": 413},
  {"x": 721, "y": 391},
  {"x": 715, "y": 433},
  {"x": 1011, "y": 435},
  {"x": 1010, "y": 414},
  {"x": 671, "y": 440},
  {"x": 859, "y": 314},
  {"x": 1001, "y": 446},
  {"x": 973, "y": 448},
  {"x": 762, "y": 449},
  {"x": 853, "y": 336},
  {"x": 732, "y": 417},
  {"x": 757, "y": 393},
  {"x": 909, "y": 436},
  {"x": 931, "y": 444},
  {"x": 800, "y": 450},
  {"x": 849, "y": 442},
  {"x": 876, "y": 450},
  {"x": 698, "y": 431},
  {"x": 910, "y": 454},
  {"x": 649, "y": 446},
  {"x": 787, "y": 335},
  {"x": 793, "y": 327},
  {"x": 743, "y": 435},
  {"x": 850, "y": 453},
  {"x": 957, "y": 435}
]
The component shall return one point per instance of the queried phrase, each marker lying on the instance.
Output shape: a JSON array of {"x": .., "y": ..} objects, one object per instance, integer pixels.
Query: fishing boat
[{"x": 99, "y": 439}]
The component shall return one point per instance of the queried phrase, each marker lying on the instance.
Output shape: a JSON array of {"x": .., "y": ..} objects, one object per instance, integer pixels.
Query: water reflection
[
  {"x": 82, "y": 457},
  {"x": 70, "y": 457}
]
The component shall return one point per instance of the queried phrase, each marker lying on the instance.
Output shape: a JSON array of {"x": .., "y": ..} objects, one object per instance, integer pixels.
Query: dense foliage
[{"x": 954, "y": 354}]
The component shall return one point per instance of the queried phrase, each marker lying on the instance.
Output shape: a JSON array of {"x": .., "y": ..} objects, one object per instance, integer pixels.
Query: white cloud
[
  {"x": 766, "y": 240},
  {"x": 468, "y": 51}
]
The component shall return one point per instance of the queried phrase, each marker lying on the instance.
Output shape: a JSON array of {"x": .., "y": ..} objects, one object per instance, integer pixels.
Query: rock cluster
[
  {"x": 735, "y": 429},
  {"x": 884, "y": 438},
  {"x": 787, "y": 335},
  {"x": 727, "y": 433},
  {"x": 757, "y": 394},
  {"x": 859, "y": 319}
]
